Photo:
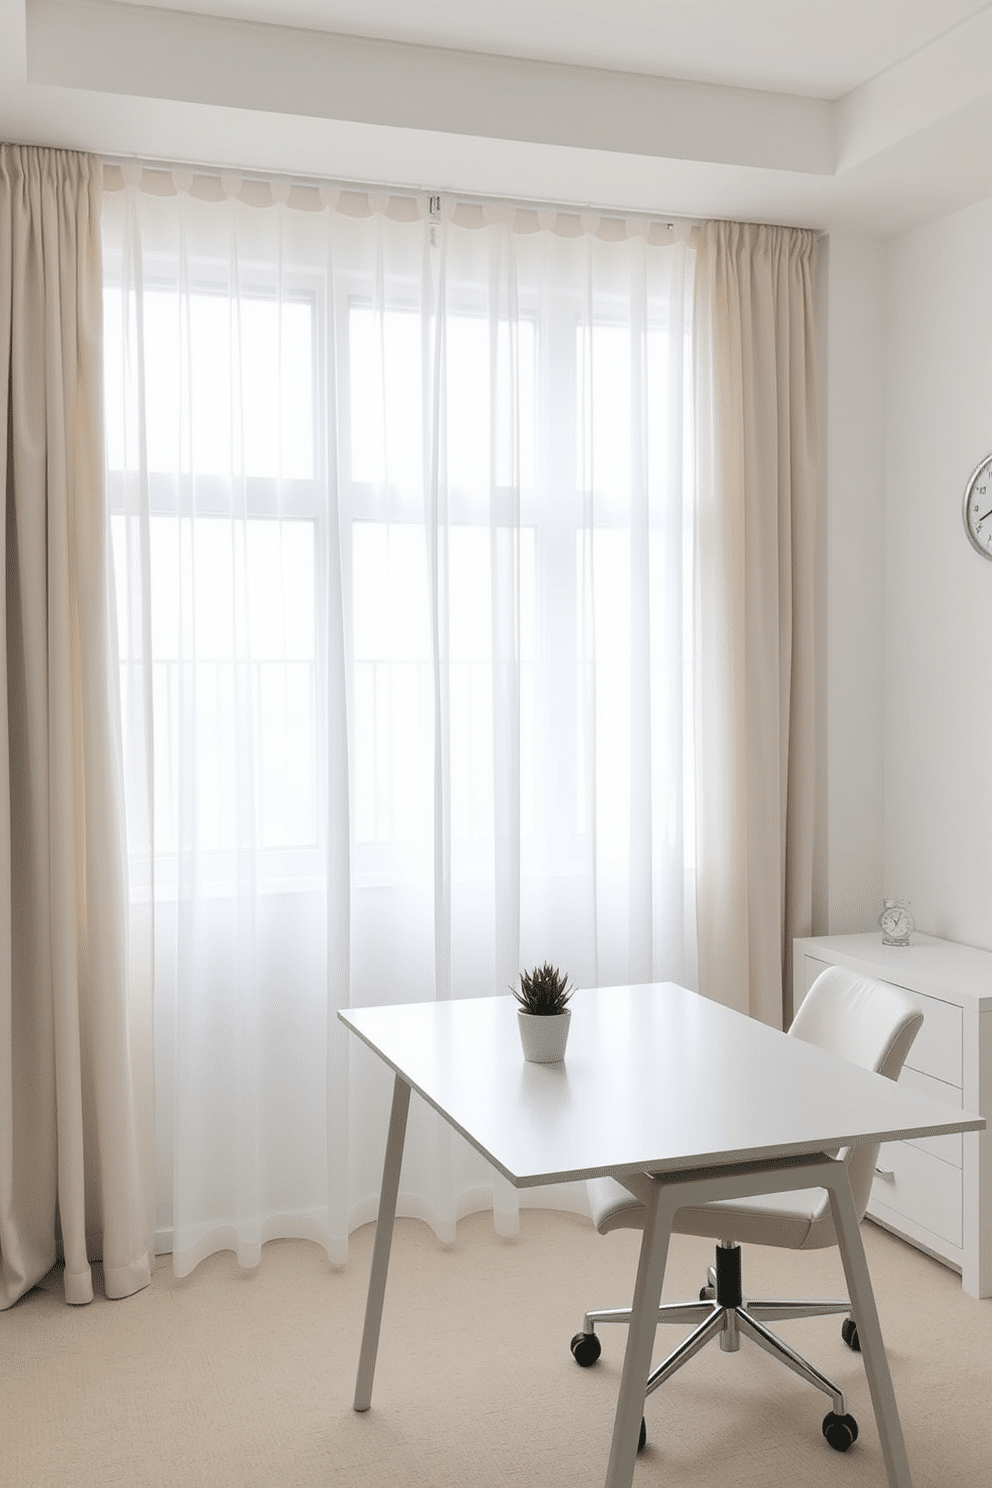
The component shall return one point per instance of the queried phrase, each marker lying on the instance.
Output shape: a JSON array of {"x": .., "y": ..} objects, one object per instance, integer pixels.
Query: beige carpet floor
[{"x": 245, "y": 1378}]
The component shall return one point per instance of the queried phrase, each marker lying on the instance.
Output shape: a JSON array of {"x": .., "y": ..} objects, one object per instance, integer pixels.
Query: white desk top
[{"x": 655, "y": 1078}]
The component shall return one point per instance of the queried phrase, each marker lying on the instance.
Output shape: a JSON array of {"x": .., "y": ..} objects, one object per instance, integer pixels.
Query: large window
[{"x": 534, "y": 484}]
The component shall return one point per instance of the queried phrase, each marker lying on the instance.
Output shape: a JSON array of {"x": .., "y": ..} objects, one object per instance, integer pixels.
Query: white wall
[
  {"x": 848, "y": 873},
  {"x": 938, "y": 591}
]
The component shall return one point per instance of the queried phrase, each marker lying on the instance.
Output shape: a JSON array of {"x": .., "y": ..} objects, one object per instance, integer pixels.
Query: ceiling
[
  {"x": 868, "y": 115},
  {"x": 787, "y": 46}
]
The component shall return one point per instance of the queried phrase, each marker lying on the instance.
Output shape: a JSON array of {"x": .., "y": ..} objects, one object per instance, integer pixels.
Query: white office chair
[{"x": 867, "y": 1022}]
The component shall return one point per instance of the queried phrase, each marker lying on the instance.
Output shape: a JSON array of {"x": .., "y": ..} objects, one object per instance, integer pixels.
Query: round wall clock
[{"x": 977, "y": 510}]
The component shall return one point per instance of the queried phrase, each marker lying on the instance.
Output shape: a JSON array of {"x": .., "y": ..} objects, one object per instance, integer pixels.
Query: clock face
[
  {"x": 895, "y": 922},
  {"x": 978, "y": 508}
]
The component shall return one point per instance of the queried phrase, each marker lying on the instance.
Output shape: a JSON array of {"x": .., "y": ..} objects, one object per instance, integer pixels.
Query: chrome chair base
[{"x": 722, "y": 1313}]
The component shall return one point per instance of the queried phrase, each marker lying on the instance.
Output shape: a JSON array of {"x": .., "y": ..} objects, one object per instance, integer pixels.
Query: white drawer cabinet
[{"x": 935, "y": 1192}]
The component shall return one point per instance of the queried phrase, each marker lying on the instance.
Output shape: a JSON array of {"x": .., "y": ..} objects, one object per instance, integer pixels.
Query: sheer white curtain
[{"x": 404, "y": 542}]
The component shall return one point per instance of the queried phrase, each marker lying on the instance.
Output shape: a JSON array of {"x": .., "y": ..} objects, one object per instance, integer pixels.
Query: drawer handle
[{"x": 886, "y": 1175}]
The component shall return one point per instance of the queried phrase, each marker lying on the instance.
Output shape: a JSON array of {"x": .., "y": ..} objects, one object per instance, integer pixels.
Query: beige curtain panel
[
  {"x": 75, "y": 1175},
  {"x": 757, "y": 462}
]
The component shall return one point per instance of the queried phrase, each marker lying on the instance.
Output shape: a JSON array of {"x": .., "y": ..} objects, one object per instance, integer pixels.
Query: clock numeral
[{"x": 976, "y": 509}]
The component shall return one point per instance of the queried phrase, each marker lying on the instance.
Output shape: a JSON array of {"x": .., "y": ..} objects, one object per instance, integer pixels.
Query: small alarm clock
[{"x": 895, "y": 922}]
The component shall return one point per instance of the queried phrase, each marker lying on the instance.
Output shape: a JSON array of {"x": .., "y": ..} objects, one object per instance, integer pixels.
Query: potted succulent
[{"x": 543, "y": 1014}]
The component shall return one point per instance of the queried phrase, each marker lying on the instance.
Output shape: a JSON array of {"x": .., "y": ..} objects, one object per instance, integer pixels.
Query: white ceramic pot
[{"x": 544, "y": 1038}]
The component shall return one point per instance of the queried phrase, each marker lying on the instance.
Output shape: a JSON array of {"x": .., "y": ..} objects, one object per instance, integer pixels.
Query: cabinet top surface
[{"x": 956, "y": 973}]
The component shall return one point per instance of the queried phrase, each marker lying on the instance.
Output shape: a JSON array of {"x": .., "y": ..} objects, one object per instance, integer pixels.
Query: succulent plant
[{"x": 543, "y": 991}]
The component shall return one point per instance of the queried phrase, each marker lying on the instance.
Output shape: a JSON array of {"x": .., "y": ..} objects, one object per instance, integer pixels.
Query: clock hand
[{"x": 982, "y": 519}]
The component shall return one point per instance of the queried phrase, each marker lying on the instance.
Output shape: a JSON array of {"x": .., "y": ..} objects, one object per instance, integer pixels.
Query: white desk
[{"x": 658, "y": 1081}]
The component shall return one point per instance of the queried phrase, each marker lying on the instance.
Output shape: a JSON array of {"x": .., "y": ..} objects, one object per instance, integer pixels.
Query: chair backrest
[{"x": 869, "y": 1023}]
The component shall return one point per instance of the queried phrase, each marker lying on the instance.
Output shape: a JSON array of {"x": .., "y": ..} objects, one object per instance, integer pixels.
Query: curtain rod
[{"x": 525, "y": 203}]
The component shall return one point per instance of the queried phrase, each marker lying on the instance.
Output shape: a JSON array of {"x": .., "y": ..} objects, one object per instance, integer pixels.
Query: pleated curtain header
[{"x": 352, "y": 201}]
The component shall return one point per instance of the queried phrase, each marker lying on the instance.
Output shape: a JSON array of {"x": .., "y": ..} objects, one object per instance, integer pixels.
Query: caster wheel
[
  {"x": 707, "y": 1294},
  {"x": 849, "y": 1333},
  {"x": 586, "y": 1349},
  {"x": 642, "y": 1436},
  {"x": 841, "y": 1432}
]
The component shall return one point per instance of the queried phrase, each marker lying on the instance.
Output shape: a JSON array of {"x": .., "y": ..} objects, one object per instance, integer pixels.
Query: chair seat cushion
[{"x": 796, "y": 1220}]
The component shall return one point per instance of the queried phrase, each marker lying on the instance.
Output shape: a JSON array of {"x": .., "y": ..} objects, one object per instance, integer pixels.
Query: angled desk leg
[
  {"x": 640, "y": 1338},
  {"x": 383, "y": 1240},
  {"x": 869, "y": 1332}
]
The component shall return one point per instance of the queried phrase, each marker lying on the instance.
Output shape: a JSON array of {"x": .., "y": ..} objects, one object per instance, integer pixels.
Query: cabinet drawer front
[
  {"x": 938, "y": 1048},
  {"x": 922, "y": 1188},
  {"x": 951, "y": 1146}
]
